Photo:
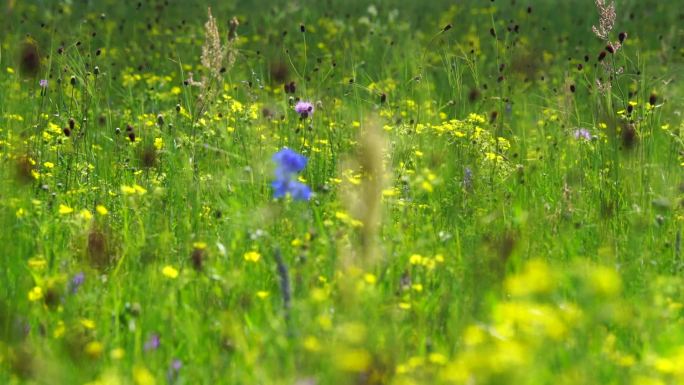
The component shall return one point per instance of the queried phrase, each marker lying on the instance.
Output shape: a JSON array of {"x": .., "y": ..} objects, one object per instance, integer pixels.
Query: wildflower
[
  {"x": 607, "y": 17},
  {"x": 252, "y": 256},
  {"x": 170, "y": 272},
  {"x": 152, "y": 343},
  {"x": 158, "y": 143},
  {"x": 289, "y": 163},
  {"x": 304, "y": 109},
  {"x": 174, "y": 368},
  {"x": 64, "y": 210},
  {"x": 117, "y": 354},
  {"x": 582, "y": 133},
  {"x": 87, "y": 323},
  {"x": 43, "y": 83},
  {"x": 94, "y": 349},
  {"x": 35, "y": 294},
  {"x": 101, "y": 210},
  {"x": 142, "y": 376},
  {"x": 76, "y": 282}
]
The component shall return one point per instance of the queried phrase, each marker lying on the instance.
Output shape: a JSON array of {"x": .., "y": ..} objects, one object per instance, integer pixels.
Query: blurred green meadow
[{"x": 497, "y": 192}]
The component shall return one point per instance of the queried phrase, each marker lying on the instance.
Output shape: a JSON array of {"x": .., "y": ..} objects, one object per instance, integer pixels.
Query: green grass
[{"x": 459, "y": 231}]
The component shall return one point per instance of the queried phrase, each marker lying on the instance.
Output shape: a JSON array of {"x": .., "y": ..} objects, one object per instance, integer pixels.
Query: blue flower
[{"x": 288, "y": 164}]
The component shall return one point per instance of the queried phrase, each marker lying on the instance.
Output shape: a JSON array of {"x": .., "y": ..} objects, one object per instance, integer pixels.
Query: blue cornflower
[{"x": 288, "y": 164}]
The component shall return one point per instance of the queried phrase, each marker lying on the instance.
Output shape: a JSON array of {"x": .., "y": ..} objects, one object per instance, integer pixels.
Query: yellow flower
[
  {"x": 170, "y": 272},
  {"x": 88, "y": 324},
  {"x": 101, "y": 210},
  {"x": 94, "y": 349},
  {"x": 37, "y": 263},
  {"x": 262, "y": 294},
  {"x": 416, "y": 259},
  {"x": 59, "y": 330},
  {"x": 605, "y": 281},
  {"x": 86, "y": 214},
  {"x": 64, "y": 209},
  {"x": 252, "y": 256},
  {"x": 35, "y": 294},
  {"x": 158, "y": 143},
  {"x": 311, "y": 344},
  {"x": 135, "y": 189},
  {"x": 142, "y": 376},
  {"x": 117, "y": 353}
]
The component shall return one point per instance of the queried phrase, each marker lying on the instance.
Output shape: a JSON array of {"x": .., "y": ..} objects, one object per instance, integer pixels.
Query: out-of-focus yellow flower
[
  {"x": 59, "y": 330},
  {"x": 35, "y": 294},
  {"x": 170, "y": 272},
  {"x": 117, "y": 353},
  {"x": 353, "y": 360},
  {"x": 37, "y": 263},
  {"x": 94, "y": 349},
  {"x": 135, "y": 189},
  {"x": 101, "y": 210},
  {"x": 605, "y": 281},
  {"x": 64, "y": 209},
  {"x": 87, "y": 323},
  {"x": 158, "y": 143},
  {"x": 536, "y": 278},
  {"x": 311, "y": 344},
  {"x": 252, "y": 256},
  {"x": 142, "y": 376},
  {"x": 416, "y": 259}
]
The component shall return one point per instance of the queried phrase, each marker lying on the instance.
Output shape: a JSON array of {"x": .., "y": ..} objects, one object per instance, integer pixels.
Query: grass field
[{"x": 341, "y": 192}]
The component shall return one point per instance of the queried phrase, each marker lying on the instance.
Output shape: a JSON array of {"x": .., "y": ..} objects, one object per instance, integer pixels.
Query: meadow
[{"x": 341, "y": 192}]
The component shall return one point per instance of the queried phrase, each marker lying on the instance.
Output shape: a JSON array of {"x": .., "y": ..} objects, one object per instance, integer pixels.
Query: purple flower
[
  {"x": 288, "y": 164},
  {"x": 76, "y": 282},
  {"x": 152, "y": 343},
  {"x": 304, "y": 109},
  {"x": 43, "y": 83},
  {"x": 582, "y": 133},
  {"x": 174, "y": 368}
]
